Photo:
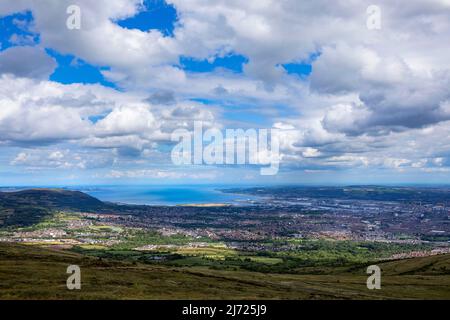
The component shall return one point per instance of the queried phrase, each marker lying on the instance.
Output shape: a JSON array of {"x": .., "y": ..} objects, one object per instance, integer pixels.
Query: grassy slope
[{"x": 36, "y": 273}]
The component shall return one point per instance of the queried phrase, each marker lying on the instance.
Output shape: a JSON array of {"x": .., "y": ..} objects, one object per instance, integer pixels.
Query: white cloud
[
  {"x": 159, "y": 174},
  {"x": 61, "y": 159},
  {"x": 30, "y": 62},
  {"x": 42, "y": 112},
  {"x": 374, "y": 98}
]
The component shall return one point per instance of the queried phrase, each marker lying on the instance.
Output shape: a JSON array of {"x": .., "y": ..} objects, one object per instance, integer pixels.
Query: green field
[{"x": 30, "y": 272}]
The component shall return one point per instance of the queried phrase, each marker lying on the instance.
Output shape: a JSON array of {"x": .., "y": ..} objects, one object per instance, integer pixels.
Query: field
[{"x": 31, "y": 272}]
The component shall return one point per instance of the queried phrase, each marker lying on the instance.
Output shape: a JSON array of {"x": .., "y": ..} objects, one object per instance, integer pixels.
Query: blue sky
[
  {"x": 157, "y": 14},
  {"x": 98, "y": 105},
  {"x": 17, "y": 25}
]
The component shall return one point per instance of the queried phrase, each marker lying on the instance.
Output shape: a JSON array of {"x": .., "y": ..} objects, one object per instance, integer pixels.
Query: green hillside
[
  {"x": 28, "y": 272},
  {"x": 28, "y": 207}
]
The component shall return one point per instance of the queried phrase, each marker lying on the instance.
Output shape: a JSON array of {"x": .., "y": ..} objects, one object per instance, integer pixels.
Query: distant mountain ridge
[
  {"x": 368, "y": 193},
  {"x": 26, "y": 207}
]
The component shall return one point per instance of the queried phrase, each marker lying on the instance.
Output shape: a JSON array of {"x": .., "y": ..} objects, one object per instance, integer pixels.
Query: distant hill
[
  {"x": 27, "y": 207},
  {"x": 371, "y": 193}
]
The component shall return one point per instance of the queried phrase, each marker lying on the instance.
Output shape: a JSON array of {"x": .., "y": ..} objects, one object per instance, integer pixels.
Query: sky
[{"x": 359, "y": 91}]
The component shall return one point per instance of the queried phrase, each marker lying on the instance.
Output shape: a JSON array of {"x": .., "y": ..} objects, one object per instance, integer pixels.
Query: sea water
[{"x": 165, "y": 195}]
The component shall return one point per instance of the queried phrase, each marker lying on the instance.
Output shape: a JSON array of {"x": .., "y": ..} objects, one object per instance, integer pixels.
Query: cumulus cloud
[
  {"x": 30, "y": 112},
  {"x": 30, "y": 62},
  {"x": 374, "y": 98},
  {"x": 159, "y": 174},
  {"x": 43, "y": 112},
  {"x": 162, "y": 97},
  {"x": 61, "y": 159}
]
